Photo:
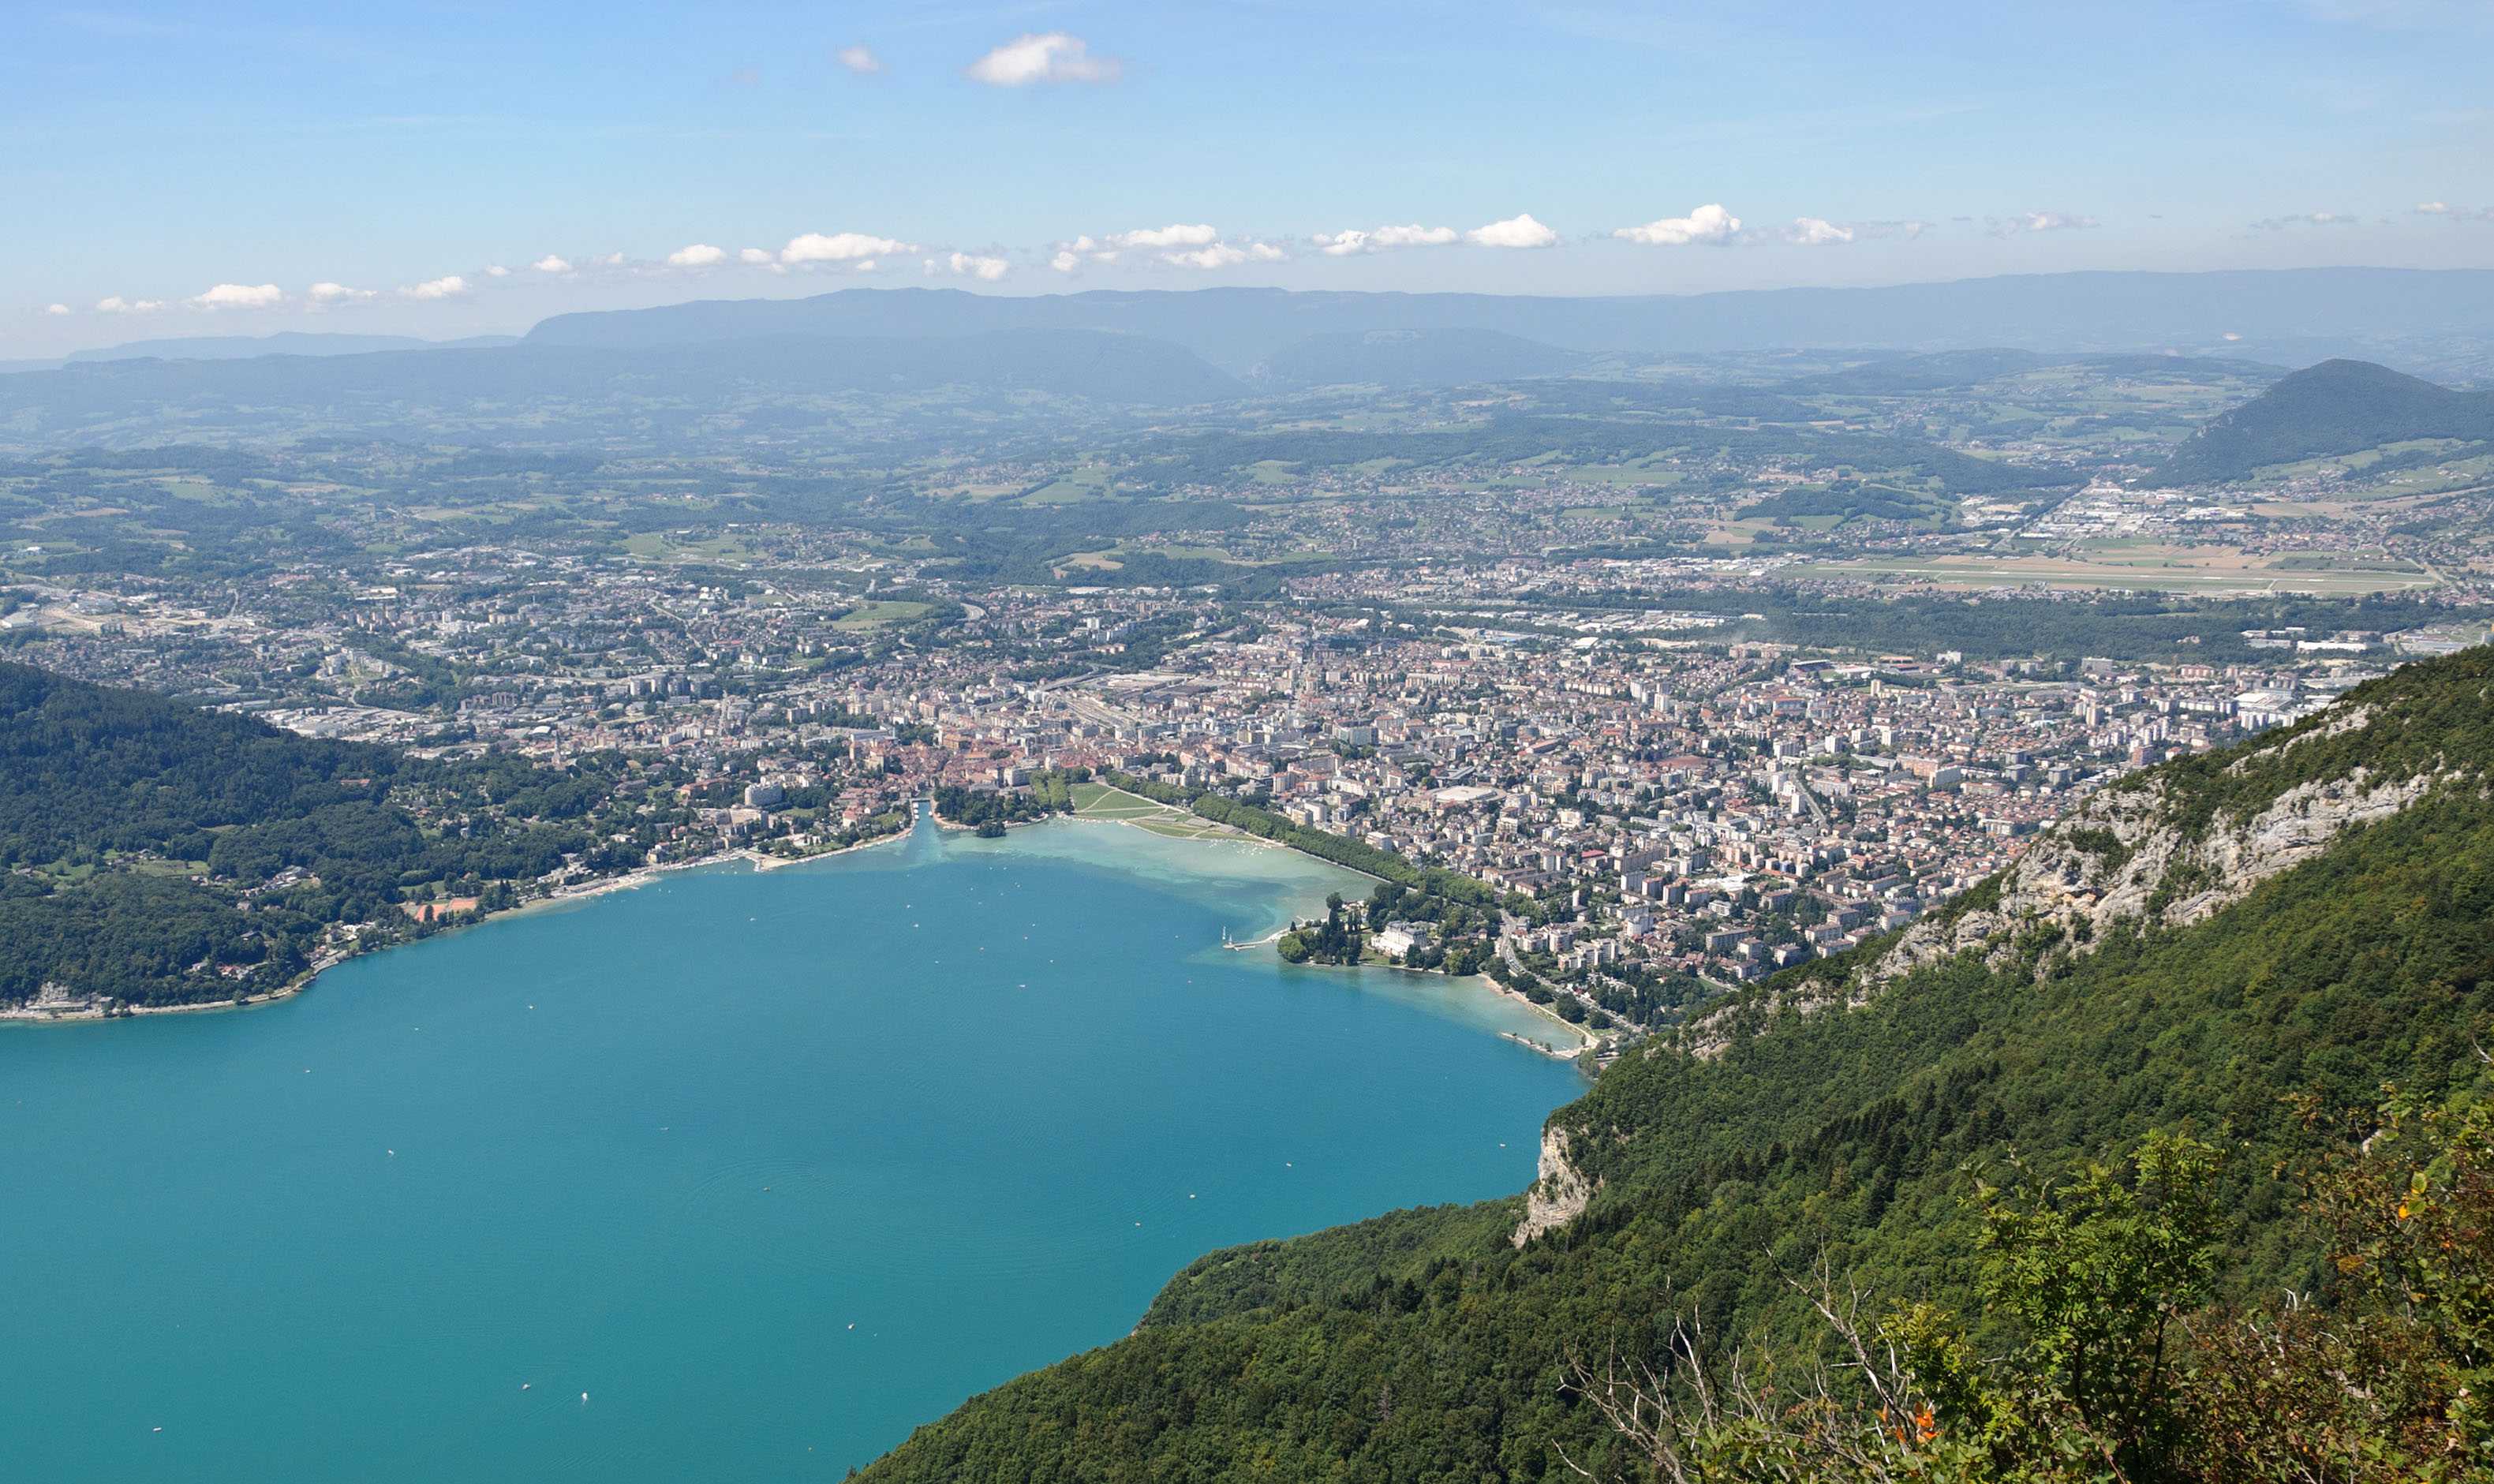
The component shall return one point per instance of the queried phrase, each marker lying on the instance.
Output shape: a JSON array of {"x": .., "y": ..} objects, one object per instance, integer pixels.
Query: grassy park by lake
[{"x": 1102, "y": 800}]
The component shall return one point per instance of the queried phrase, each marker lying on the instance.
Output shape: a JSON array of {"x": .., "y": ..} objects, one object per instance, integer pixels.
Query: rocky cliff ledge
[
  {"x": 2122, "y": 857},
  {"x": 2169, "y": 847},
  {"x": 1559, "y": 1195}
]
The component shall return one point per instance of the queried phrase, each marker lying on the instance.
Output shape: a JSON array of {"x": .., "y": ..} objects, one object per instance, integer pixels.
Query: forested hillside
[
  {"x": 155, "y": 853},
  {"x": 2336, "y": 408},
  {"x": 2057, "y": 1187}
]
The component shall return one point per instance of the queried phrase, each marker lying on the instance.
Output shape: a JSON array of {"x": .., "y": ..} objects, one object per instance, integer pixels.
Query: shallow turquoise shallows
[{"x": 733, "y": 1176}]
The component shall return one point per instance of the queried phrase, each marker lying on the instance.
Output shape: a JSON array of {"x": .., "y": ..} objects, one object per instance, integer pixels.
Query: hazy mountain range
[
  {"x": 925, "y": 355},
  {"x": 2266, "y": 312},
  {"x": 2295, "y": 317},
  {"x": 236, "y": 347}
]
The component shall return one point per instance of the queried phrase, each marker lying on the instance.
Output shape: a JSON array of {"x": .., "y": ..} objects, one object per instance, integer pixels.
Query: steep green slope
[
  {"x": 2336, "y": 408},
  {"x": 1427, "y": 1345}
]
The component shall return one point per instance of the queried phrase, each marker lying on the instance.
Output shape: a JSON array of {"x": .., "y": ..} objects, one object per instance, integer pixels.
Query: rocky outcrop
[
  {"x": 2120, "y": 857},
  {"x": 2132, "y": 856},
  {"x": 1559, "y": 1195}
]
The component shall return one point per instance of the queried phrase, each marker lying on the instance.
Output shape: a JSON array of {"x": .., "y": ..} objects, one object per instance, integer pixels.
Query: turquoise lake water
[{"x": 774, "y": 1166}]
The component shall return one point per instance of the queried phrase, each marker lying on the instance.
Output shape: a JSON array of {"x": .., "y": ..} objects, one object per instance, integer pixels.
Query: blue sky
[{"x": 400, "y": 154}]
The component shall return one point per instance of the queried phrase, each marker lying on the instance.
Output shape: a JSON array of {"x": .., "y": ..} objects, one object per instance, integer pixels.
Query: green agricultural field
[
  {"x": 655, "y": 546},
  {"x": 876, "y": 615},
  {"x": 1073, "y": 487}
]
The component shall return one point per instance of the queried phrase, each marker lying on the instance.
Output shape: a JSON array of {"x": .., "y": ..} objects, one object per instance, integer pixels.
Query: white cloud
[
  {"x": 2042, "y": 222},
  {"x": 1415, "y": 235},
  {"x": 1709, "y": 224},
  {"x": 239, "y": 296},
  {"x": 1345, "y": 244},
  {"x": 549, "y": 263},
  {"x": 839, "y": 247},
  {"x": 755, "y": 256},
  {"x": 860, "y": 60},
  {"x": 1048, "y": 57},
  {"x": 497, "y": 271},
  {"x": 1516, "y": 231},
  {"x": 986, "y": 270},
  {"x": 115, "y": 304},
  {"x": 611, "y": 260},
  {"x": 1087, "y": 248},
  {"x": 446, "y": 287},
  {"x": 1173, "y": 236},
  {"x": 866, "y": 265},
  {"x": 57, "y": 309},
  {"x": 1815, "y": 231},
  {"x": 2305, "y": 219},
  {"x": 1224, "y": 254},
  {"x": 2433, "y": 208},
  {"x": 699, "y": 254},
  {"x": 325, "y": 292},
  {"x": 1180, "y": 244},
  {"x": 1220, "y": 254}
]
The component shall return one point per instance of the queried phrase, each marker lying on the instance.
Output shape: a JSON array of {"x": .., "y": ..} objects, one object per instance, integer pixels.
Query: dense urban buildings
[{"x": 1660, "y": 804}]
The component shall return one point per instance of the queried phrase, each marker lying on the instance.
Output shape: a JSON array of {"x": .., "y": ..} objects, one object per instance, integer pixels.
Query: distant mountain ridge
[
  {"x": 1399, "y": 358},
  {"x": 1171, "y": 347},
  {"x": 1109, "y": 368},
  {"x": 231, "y": 348},
  {"x": 1238, "y": 328},
  {"x": 2339, "y": 407}
]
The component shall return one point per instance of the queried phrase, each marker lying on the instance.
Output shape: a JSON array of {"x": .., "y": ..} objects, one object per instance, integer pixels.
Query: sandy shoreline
[
  {"x": 1585, "y": 1038},
  {"x": 1221, "y": 832}
]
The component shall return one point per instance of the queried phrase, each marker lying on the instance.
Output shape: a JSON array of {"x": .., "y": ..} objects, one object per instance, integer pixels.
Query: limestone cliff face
[
  {"x": 1559, "y": 1197},
  {"x": 2130, "y": 856},
  {"x": 2120, "y": 857}
]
